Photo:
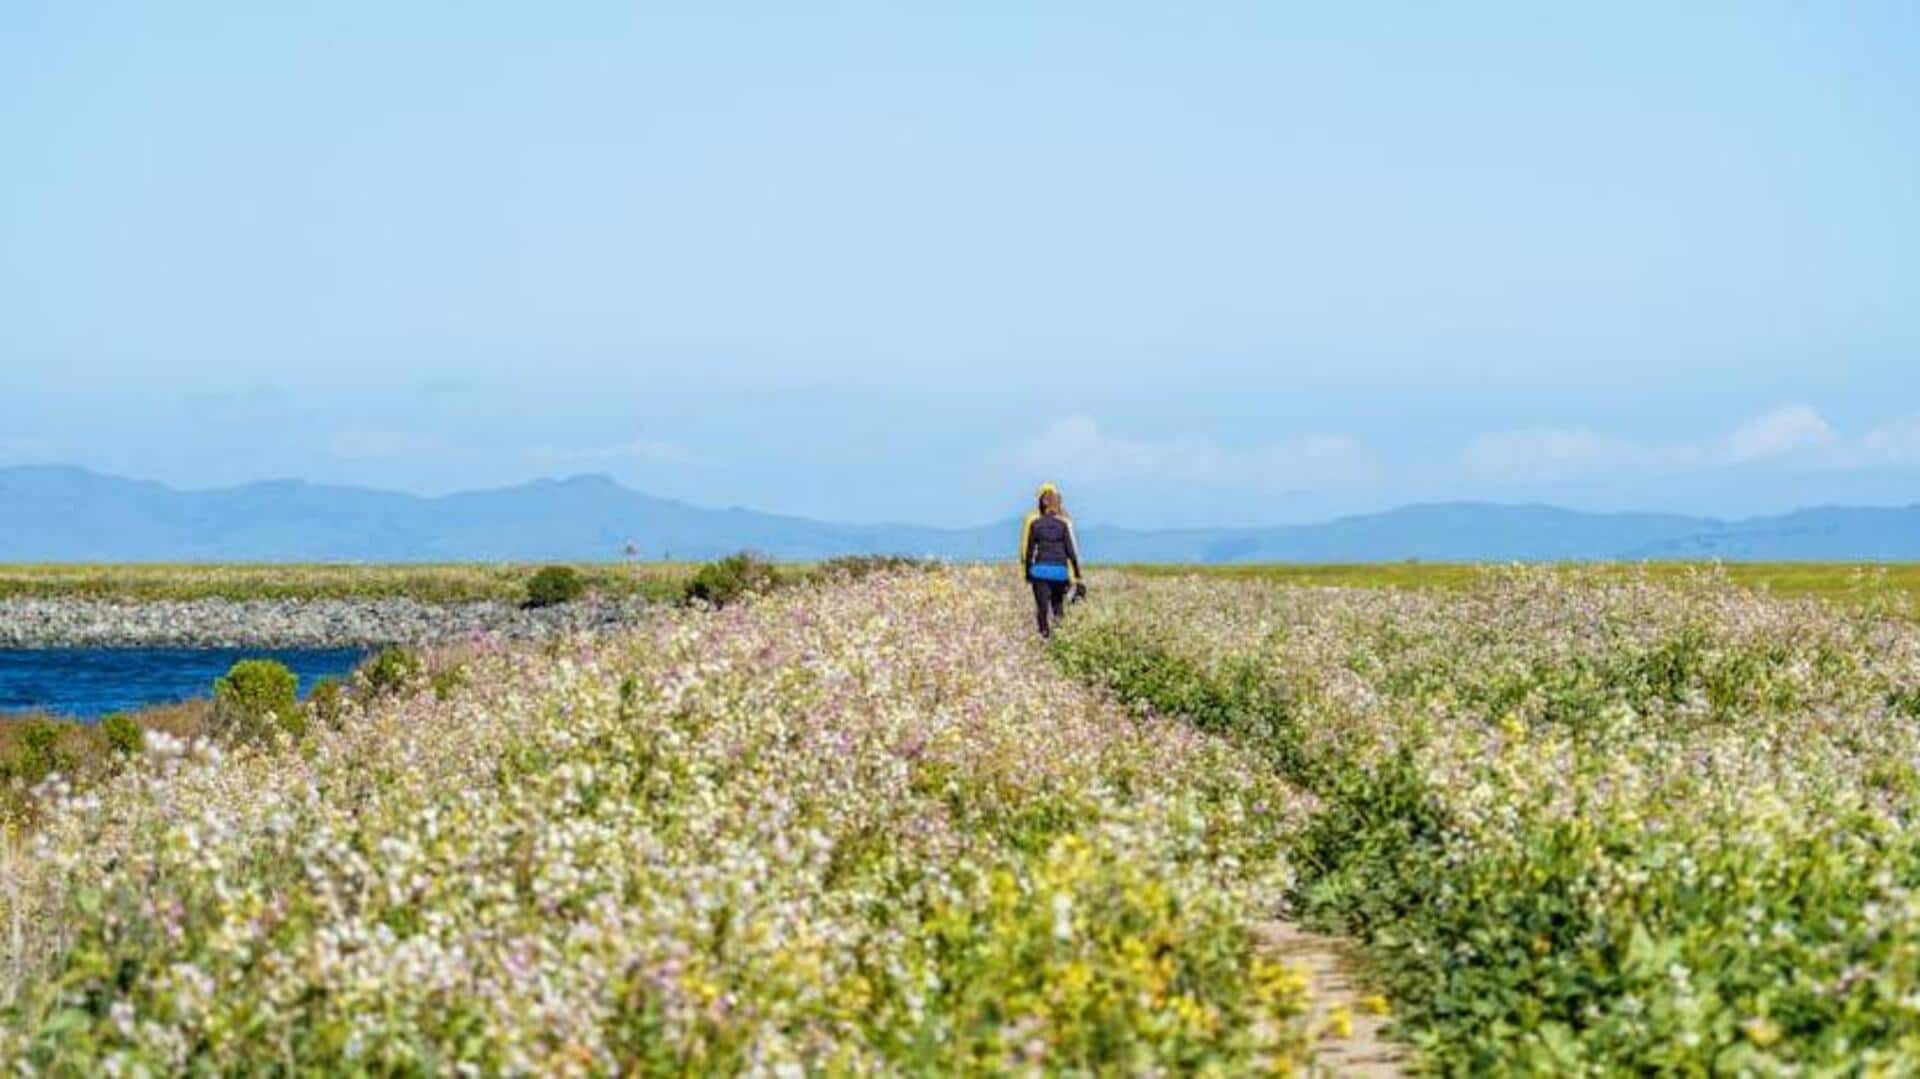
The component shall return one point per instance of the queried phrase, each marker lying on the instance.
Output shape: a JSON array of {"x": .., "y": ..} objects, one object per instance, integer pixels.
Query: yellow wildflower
[{"x": 1762, "y": 1031}]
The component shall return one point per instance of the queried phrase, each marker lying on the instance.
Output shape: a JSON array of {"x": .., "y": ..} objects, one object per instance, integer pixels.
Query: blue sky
[{"x": 1224, "y": 265}]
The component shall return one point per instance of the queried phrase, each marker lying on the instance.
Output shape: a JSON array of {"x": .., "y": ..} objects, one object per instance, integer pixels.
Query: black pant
[{"x": 1049, "y": 597}]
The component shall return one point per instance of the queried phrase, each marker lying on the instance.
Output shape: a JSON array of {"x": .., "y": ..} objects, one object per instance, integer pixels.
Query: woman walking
[{"x": 1050, "y": 558}]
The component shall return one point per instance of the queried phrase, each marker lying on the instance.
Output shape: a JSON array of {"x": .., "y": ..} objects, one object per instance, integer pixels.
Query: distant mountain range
[{"x": 56, "y": 513}]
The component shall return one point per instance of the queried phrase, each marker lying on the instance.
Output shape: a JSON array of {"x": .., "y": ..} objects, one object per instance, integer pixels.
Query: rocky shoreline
[{"x": 316, "y": 623}]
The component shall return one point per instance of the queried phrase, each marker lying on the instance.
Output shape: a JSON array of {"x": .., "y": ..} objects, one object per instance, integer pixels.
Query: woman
[{"x": 1050, "y": 558}]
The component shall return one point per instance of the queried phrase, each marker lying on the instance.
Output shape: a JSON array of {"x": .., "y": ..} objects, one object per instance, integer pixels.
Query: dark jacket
[{"x": 1048, "y": 538}]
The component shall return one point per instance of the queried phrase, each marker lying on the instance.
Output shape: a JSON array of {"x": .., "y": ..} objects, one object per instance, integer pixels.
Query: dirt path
[{"x": 1330, "y": 963}]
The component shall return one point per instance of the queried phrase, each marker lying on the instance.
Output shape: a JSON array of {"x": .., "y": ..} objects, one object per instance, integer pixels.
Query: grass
[
  {"x": 1826, "y": 580},
  {"x": 507, "y": 582},
  {"x": 83, "y": 739},
  {"x": 446, "y": 583},
  {"x": 82, "y": 751},
  {"x": 453, "y": 582}
]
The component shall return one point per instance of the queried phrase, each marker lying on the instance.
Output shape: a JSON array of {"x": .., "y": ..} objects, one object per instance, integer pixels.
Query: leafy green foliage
[
  {"x": 732, "y": 579},
  {"x": 1587, "y": 826},
  {"x": 555, "y": 585},
  {"x": 447, "y": 681},
  {"x": 255, "y": 699},
  {"x": 394, "y": 670},
  {"x": 327, "y": 701},
  {"x": 38, "y": 752},
  {"x": 123, "y": 735},
  {"x": 1905, "y": 700},
  {"x": 849, "y": 568}
]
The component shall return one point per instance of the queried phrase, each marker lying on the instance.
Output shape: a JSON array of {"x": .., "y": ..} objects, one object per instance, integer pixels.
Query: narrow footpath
[{"x": 1349, "y": 1023}]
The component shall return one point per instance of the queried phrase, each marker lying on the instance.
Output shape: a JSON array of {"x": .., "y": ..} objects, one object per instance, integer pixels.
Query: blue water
[{"x": 92, "y": 682}]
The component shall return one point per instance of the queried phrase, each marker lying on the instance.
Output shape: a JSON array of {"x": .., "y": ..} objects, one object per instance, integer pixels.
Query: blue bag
[{"x": 1049, "y": 571}]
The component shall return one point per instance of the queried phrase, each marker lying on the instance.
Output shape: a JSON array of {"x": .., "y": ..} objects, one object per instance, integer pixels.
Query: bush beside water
[
  {"x": 392, "y": 671},
  {"x": 326, "y": 701},
  {"x": 124, "y": 735},
  {"x": 256, "y": 699},
  {"x": 39, "y": 753},
  {"x": 253, "y": 702}
]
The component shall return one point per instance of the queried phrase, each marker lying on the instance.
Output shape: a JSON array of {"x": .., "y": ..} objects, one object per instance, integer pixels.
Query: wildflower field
[
  {"x": 855, "y": 827},
  {"x": 1840, "y": 582},
  {"x": 1597, "y": 823},
  {"x": 1578, "y": 823}
]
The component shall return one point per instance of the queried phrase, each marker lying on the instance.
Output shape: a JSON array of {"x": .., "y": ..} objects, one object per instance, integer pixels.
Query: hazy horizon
[
  {"x": 1007, "y": 513},
  {"x": 1233, "y": 267}
]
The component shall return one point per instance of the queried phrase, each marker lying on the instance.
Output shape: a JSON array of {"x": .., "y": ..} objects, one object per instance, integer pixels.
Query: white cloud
[
  {"x": 1793, "y": 435},
  {"x": 1895, "y": 445},
  {"x": 1075, "y": 449},
  {"x": 1780, "y": 432}
]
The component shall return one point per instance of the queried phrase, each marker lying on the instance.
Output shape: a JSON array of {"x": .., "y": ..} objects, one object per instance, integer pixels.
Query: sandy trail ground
[{"x": 1331, "y": 964}]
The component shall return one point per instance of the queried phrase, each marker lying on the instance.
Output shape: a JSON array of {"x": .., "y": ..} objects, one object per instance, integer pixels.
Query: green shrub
[
  {"x": 255, "y": 699},
  {"x": 856, "y": 567},
  {"x": 731, "y": 579},
  {"x": 327, "y": 701},
  {"x": 39, "y": 753},
  {"x": 1905, "y": 701},
  {"x": 447, "y": 681},
  {"x": 554, "y": 585},
  {"x": 394, "y": 670},
  {"x": 125, "y": 738}
]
